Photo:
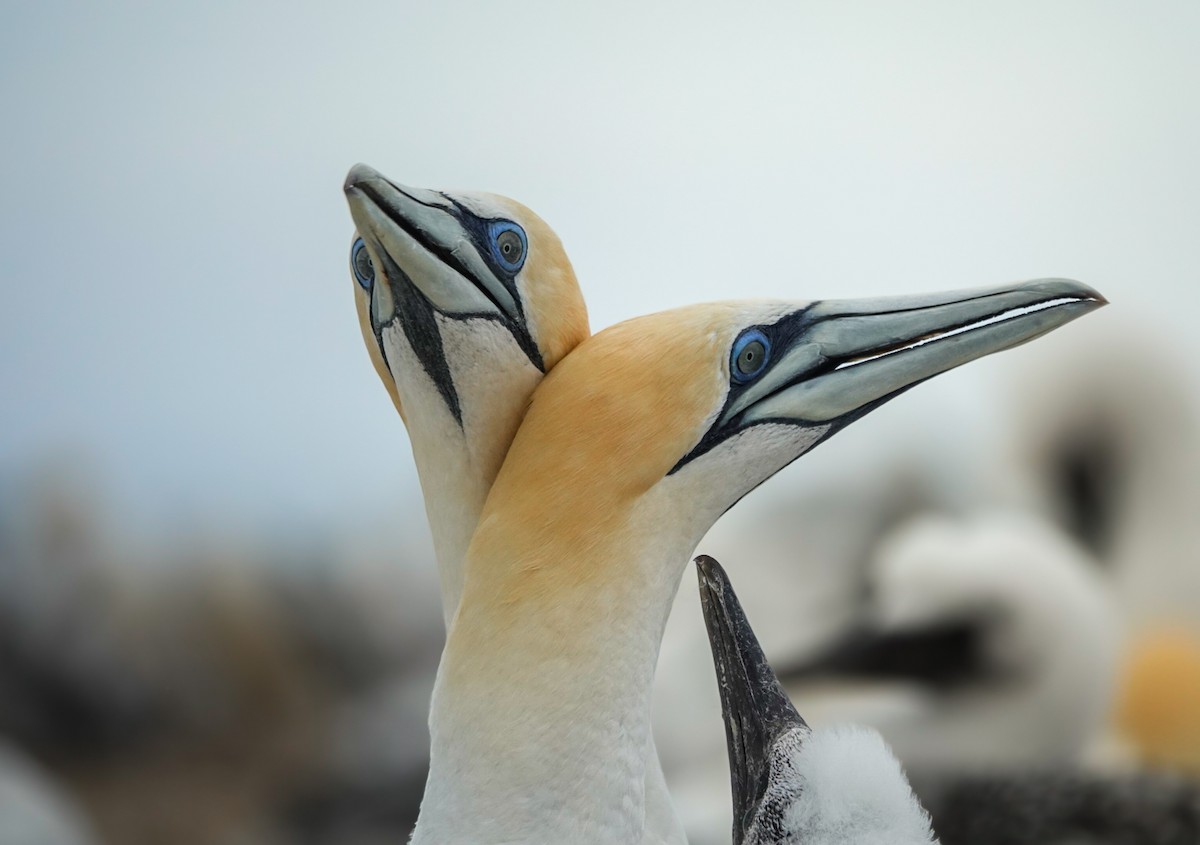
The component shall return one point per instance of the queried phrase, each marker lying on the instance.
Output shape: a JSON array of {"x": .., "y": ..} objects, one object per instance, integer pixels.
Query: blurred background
[{"x": 219, "y": 619}]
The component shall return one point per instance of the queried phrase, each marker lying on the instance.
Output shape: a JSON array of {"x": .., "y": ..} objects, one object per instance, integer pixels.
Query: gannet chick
[
  {"x": 1002, "y": 631},
  {"x": 632, "y": 447},
  {"x": 793, "y": 785},
  {"x": 465, "y": 301}
]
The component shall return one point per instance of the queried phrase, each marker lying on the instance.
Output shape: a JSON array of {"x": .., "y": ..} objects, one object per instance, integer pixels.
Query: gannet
[
  {"x": 1115, "y": 459},
  {"x": 995, "y": 636},
  {"x": 1005, "y": 637},
  {"x": 793, "y": 785},
  {"x": 465, "y": 301},
  {"x": 632, "y": 447}
]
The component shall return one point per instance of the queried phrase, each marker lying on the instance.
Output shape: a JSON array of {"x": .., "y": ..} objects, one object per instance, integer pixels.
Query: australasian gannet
[
  {"x": 1005, "y": 633},
  {"x": 465, "y": 301},
  {"x": 632, "y": 447},
  {"x": 793, "y": 785},
  {"x": 999, "y": 631}
]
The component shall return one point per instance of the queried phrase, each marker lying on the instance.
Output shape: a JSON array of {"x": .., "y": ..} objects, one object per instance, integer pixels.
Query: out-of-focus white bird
[
  {"x": 1001, "y": 644},
  {"x": 632, "y": 447},
  {"x": 793, "y": 785},
  {"x": 996, "y": 636},
  {"x": 1111, "y": 450}
]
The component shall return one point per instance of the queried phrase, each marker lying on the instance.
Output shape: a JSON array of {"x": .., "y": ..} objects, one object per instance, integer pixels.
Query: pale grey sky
[{"x": 173, "y": 239}]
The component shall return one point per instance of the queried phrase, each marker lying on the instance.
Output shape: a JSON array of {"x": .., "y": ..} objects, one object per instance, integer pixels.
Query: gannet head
[
  {"x": 793, "y": 785},
  {"x": 465, "y": 300},
  {"x": 426, "y": 262},
  {"x": 696, "y": 407}
]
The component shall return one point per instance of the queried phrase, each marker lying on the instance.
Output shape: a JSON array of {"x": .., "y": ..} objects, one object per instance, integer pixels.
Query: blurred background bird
[{"x": 218, "y": 615}]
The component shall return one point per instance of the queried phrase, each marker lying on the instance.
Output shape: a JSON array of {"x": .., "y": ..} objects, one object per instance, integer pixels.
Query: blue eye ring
[
  {"x": 749, "y": 357},
  {"x": 508, "y": 244},
  {"x": 361, "y": 265}
]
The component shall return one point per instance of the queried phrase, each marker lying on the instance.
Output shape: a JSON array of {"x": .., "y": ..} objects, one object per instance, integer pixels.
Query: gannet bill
[
  {"x": 465, "y": 301},
  {"x": 632, "y": 447},
  {"x": 793, "y": 785}
]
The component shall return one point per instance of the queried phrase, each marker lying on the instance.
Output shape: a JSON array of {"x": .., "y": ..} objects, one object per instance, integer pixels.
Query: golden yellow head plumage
[{"x": 695, "y": 407}]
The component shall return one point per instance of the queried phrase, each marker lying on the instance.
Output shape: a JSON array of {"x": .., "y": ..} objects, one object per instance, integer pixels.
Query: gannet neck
[
  {"x": 540, "y": 726},
  {"x": 457, "y": 463}
]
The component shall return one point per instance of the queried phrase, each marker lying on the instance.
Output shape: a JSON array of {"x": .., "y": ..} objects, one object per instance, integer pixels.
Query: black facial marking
[
  {"x": 477, "y": 228},
  {"x": 416, "y": 318},
  {"x": 783, "y": 335}
]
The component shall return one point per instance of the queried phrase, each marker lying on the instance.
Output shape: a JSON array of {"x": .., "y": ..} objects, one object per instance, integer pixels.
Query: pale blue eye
[
  {"x": 361, "y": 265},
  {"x": 751, "y": 352},
  {"x": 508, "y": 244}
]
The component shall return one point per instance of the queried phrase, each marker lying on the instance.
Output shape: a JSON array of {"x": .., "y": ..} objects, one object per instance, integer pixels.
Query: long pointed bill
[
  {"x": 757, "y": 711},
  {"x": 422, "y": 236},
  {"x": 836, "y": 360}
]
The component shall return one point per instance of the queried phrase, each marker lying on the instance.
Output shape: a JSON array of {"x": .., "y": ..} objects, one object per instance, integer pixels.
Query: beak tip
[
  {"x": 1084, "y": 292},
  {"x": 358, "y": 174},
  {"x": 711, "y": 578}
]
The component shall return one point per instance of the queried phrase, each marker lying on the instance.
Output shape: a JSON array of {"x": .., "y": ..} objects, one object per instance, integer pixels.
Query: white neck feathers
[
  {"x": 457, "y": 466},
  {"x": 540, "y": 722}
]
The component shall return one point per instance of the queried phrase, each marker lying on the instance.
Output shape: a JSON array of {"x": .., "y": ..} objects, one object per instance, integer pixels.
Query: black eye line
[
  {"x": 778, "y": 334},
  {"x": 444, "y": 255},
  {"x": 414, "y": 314},
  {"x": 447, "y": 257},
  {"x": 477, "y": 226}
]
